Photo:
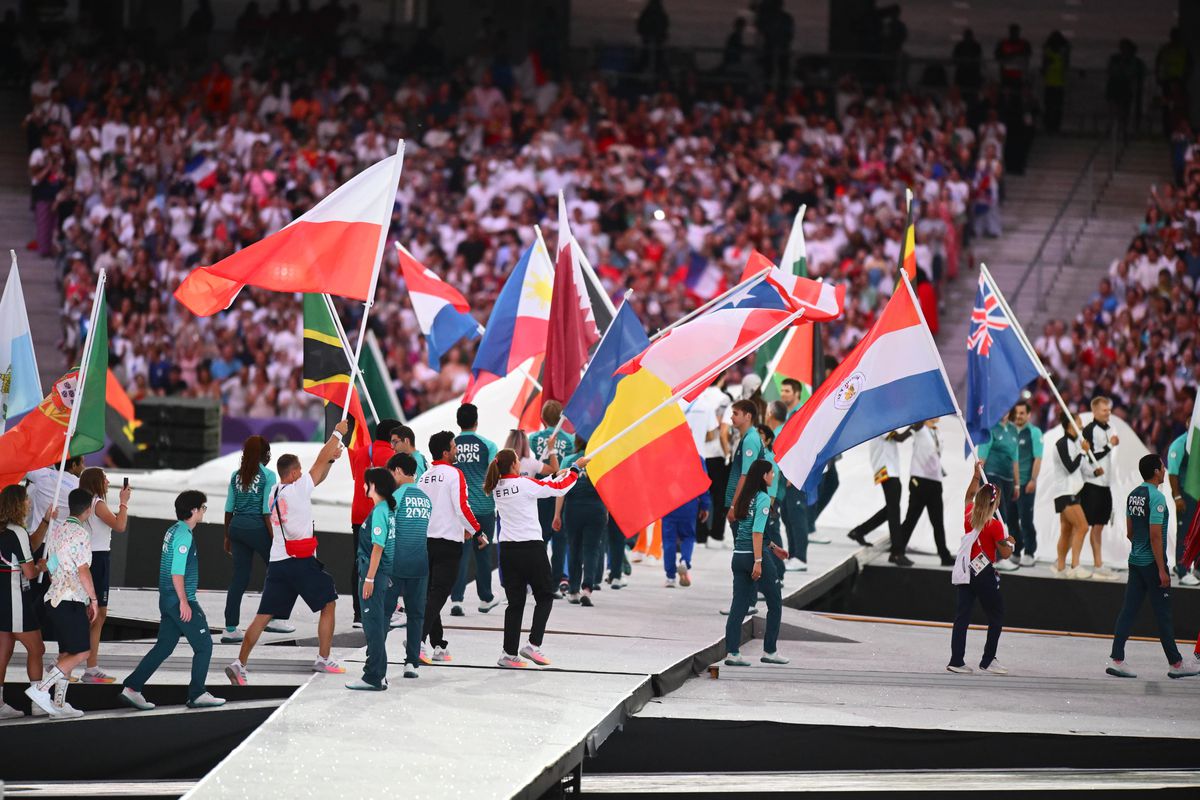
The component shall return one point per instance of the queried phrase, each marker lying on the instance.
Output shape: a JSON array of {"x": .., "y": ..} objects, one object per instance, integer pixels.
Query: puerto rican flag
[
  {"x": 442, "y": 312},
  {"x": 202, "y": 172},
  {"x": 893, "y": 378},
  {"x": 821, "y": 301},
  {"x": 695, "y": 348}
]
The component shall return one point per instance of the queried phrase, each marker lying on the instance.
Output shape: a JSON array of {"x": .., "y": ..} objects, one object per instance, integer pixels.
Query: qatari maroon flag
[{"x": 572, "y": 329}]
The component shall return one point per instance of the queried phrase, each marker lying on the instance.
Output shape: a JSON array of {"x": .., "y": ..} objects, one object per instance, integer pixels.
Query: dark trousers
[
  {"x": 923, "y": 495},
  {"x": 825, "y": 491},
  {"x": 525, "y": 566},
  {"x": 774, "y": 535},
  {"x": 890, "y": 513},
  {"x": 1027, "y": 543},
  {"x": 376, "y": 619},
  {"x": 355, "y": 598},
  {"x": 984, "y": 587},
  {"x": 170, "y": 629},
  {"x": 415, "y": 592},
  {"x": 248, "y": 536},
  {"x": 745, "y": 591},
  {"x": 1182, "y": 524},
  {"x": 796, "y": 521},
  {"x": 444, "y": 557},
  {"x": 1008, "y": 510},
  {"x": 1143, "y": 582},
  {"x": 1052, "y": 107},
  {"x": 586, "y": 524},
  {"x": 718, "y": 473},
  {"x": 615, "y": 549},
  {"x": 557, "y": 539},
  {"x": 483, "y": 563}
]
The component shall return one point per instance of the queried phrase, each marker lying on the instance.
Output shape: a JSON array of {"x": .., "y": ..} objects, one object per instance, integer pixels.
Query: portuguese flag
[
  {"x": 327, "y": 369},
  {"x": 794, "y": 260},
  {"x": 37, "y": 440}
]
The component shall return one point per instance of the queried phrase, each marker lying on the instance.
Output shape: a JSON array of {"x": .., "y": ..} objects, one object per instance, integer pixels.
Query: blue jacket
[{"x": 692, "y": 508}]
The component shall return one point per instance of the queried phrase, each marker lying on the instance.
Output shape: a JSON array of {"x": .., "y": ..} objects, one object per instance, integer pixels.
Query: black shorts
[
  {"x": 71, "y": 626},
  {"x": 101, "y": 569},
  {"x": 296, "y": 577},
  {"x": 17, "y": 612},
  {"x": 1097, "y": 503},
  {"x": 1063, "y": 502}
]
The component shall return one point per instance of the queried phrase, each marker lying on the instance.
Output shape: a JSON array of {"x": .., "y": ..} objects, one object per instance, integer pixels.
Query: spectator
[
  {"x": 1056, "y": 60},
  {"x": 968, "y": 63},
  {"x": 1013, "y": 55},
  {"x": 652, "y": 26}
]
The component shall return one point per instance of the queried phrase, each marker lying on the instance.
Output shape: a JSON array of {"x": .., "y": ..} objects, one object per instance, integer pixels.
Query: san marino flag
[{"x": 20, "y": 386}]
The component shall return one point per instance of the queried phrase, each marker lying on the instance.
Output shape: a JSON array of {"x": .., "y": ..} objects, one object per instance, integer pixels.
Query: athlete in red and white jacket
[
  {"x": 447, "y": 490},
  {"x": 516, "y": 499}
]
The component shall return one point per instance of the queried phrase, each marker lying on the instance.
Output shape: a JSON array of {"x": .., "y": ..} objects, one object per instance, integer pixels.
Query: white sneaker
[
  {"x": 283, "y": 626},
  {"x": 67, "y": 711},
  {"x": 1065, "y": 572},
  {"x": 135, "y": 699},
  {"x": 773, "y": 658},
  {"x": 535, "y": 655},
  {"x": 573, "y": 598},
  {"x": 8, "y": 712},
  {"x": 1183, "y": 670},
  {"x": 236, "y": 672},
  {"x": 231, "y": 637},
  {"x": 636, "y": 558},
  {"x": 713, "y": 544},
  {"x": 425, "y": 659},
  {"x": 442, "y": 655},
  {"x": 736, "y": 660},
  {"x": 794, "y": 564},
  {"x": 96, "y": 675},
  {"x": 995, "y": 668},
  {"x": 1105, "y": 574},
  {"x": 1028, "y": 560},
  {"x": 1080, "y": 573},
  {"x": 356, "y": 624},
  {"x": 328, "y": 665},
  {"x": 399, "y": 620},
  {"x": 42, "y": 699},
  {"x": 410, "y": 671},
  {"x": 685, "y": 576},
  {"x": 964, "y": 670},
  {"x": 669, "y": 583},
  {"x": 816, "y": 538},
  {"x": 512, "y": 662},
  {"x": 1118, "y": 669},
  {"x": 359, "y": 685},
  {"x": 37, "y": 711},
  {"x": 1007, "y": 565},
  {"x": 206, "y": 700},
  {"x": 1189, "y": 580},
  {"x": 487, "y": 606}
]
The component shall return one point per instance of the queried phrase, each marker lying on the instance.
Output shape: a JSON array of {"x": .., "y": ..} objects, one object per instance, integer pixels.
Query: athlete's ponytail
[{"x": 505, "y": 463}]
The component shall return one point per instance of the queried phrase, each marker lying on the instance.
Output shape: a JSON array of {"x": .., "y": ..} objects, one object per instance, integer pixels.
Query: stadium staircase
[
  {"x": 1066, "y": 218},
  {"x": 40, "y": 277}
]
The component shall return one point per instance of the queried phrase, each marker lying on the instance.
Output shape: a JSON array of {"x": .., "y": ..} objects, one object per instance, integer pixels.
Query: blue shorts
[
  {"x": 101, "y": 575},
  {"x": 296, "y": 577},
  {"x": 71, "y": 626}
]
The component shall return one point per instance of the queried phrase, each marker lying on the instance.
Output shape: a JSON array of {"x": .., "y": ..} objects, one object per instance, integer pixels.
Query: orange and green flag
[{"x": 37, "y": 440}]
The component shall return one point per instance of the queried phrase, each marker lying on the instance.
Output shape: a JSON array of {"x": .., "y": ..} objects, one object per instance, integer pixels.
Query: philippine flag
[
  {"x": 520, "y": 319},
  {"x": 442, "y": 312},
  {"x": 893, "y": 378}
]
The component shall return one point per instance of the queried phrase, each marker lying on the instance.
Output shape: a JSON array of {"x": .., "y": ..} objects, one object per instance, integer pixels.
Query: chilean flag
[
  {"x": 443, "y": 313},
  {"x": 821, "y": 301},
  {"x": 893, "y": 378},
  {"x": 331, "y": 249},
  {"x": 516, "y": 330},
  {"x": 690, "y": 350}
]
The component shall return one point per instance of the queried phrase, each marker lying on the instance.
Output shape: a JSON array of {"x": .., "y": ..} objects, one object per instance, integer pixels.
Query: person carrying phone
[
  {"x": 751, "y": 512},
  {"x": 1147, "y": 517},
  {"x": 102, "y": 523},
  {"x": 974, "y": 573},
  {"x": 178, "y": 577},
  {"x": 294, "y": 571}
]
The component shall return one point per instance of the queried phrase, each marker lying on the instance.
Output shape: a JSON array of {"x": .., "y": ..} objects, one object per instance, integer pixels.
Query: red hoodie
[{"x": 375, "y": 454}]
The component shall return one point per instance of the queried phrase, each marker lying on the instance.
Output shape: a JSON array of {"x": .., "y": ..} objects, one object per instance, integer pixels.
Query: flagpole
[
  {"x": 81, "y": 380},
  {"x": 707, "y": 375},
  {"x": 390, "y": 203},
  {"x": 1029, "y": 351},
  {"x": 355, "y": 372},
  {"x": 941, "y": 367},
  {"x": 908, "y": 198},
  {"x": 725, "y": 295}
]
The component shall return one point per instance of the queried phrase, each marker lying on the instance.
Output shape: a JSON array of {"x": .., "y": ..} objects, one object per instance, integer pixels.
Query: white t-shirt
[
  {"x": 291, "y": 503},
  {"x": 42, "y": 482},
  {"x": 101, "y": 533},
  {"x": 927, "y": 455},
  {"x": 885, "y": 454}
]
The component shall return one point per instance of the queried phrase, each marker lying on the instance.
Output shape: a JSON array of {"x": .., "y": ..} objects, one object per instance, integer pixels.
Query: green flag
[
  {"x": 378, "y": 381},
  {"x": 92, "y": 394},
  {"x": 1191, "y": 481}
]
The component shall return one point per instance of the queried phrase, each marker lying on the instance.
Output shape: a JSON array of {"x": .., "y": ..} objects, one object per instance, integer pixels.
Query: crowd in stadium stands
[
  {"x": 1136, "y": 338},
  {"x": 148, "y": 169}
]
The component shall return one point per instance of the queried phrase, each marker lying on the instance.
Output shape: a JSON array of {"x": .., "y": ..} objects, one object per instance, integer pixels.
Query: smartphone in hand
[{"x": 125, "y": 485}]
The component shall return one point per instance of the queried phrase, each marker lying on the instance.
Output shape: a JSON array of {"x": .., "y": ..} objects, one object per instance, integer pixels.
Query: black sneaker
[
  {"x": 456, "y": 610},
  {"x": 859, "y": 537},
  {"x": 947, "y": 561},
  {"x": 586, "y": 600},
  {"x": 900, "y": 560}
]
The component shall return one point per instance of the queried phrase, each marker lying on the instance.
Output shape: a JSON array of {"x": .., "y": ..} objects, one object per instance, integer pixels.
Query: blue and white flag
[
  {"x": 20, "y": 386},
  {"x": 998, "y": 365}
]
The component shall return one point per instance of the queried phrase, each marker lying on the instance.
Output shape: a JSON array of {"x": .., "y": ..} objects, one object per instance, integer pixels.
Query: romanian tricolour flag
[
  {"x": 654, "y": 468},
  {"x": 516, "y": 329},
  {"x": 37, "y": 440},
  {"x": 442, "y": 311},
  {"x": 327, "y": 368},
  {"x": 893, "y": 378},
  {"x": 332, "y": 248}
]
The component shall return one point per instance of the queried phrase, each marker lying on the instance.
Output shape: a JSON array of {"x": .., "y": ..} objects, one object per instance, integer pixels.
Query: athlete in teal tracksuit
[
  {"x": 178, "y": 576},
  {"x": 247, "y": 530},
  {"x": 584, "y": 517},
  {"x": 778, "y": 488},
  {"x": 474, "y": 455},
  {"x": 376, "y": 550},
  {"x": 563, "y": 446},
  {"x": 410, "y": 560}
]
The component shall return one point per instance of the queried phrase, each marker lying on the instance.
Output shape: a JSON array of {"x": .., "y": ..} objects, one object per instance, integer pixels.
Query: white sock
[{"x": 48, "y": 680}]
